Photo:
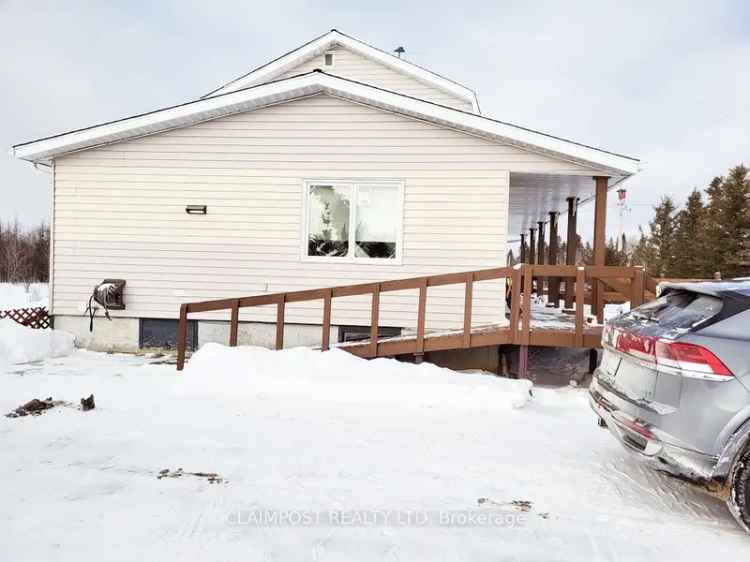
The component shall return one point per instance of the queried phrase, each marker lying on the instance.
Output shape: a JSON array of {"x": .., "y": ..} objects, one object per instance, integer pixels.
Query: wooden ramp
[
  {"x": 548, "y": 327},
  {"x": 522, "y": 328}
]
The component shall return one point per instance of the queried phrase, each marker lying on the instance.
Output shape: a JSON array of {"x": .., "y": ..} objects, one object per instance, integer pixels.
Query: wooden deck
[{"x": 624, "y": 283}]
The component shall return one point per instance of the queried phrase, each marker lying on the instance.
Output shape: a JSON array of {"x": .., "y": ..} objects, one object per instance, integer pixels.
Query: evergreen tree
[
  {"x": 662, "y": 237},
  {"x": 690, "y": 255},
  {"x": 702, "y": 238},
  {"x": 736, "y": 206},
  {"x": 727, "y": 224},
  {"x": 613, "y": 255},
  {"x": 585, "y": 252},
  {"x": 643, "y": 253},
  {"x": 714, "y": 258}
]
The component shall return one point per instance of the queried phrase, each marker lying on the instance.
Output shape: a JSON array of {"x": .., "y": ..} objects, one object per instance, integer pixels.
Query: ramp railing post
[
  {"x": 280, "y": 322},
  {"x": 515, "y": 304},
  {"x": 421, "y": 319},
  {"x": 234, "y": 323},
  {"x": 326, "y": 320},
  {"x": 528, "y": 275},
  {"x": 374, "y": 320},
  {"x": 580, "y": 292},
  {"x": 637, "y": 288},
  {"x": 182, "y": 337},
  {"x": 468, "y": 305}
]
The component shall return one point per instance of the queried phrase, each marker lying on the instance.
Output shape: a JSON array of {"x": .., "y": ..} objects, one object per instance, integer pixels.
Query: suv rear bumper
[{"x": 646, "y": 441}]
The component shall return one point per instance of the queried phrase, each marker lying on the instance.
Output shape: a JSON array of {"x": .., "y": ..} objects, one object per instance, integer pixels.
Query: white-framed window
[
  {"x": 353, "y": 221},
  {"x": 329, "y": 59}
]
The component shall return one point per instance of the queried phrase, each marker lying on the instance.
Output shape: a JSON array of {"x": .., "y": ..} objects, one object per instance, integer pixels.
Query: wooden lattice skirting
[{"x": 37, "y": 318}]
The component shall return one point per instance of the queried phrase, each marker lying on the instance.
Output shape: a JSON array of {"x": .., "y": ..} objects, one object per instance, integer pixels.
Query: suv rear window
[{"x": 673, "y": 313}]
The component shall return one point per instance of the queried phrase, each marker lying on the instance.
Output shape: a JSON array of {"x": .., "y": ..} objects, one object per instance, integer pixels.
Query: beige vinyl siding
[
  {"x": 354, "y": 66},
  {"x": 120, "y": 212}
]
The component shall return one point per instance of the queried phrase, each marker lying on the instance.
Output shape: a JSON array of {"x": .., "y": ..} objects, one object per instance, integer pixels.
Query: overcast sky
[{"x": 668, "y": 82}]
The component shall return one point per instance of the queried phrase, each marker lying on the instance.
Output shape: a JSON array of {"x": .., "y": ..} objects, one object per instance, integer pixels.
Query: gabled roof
[
  {"x": 272, "y": 70},
  {"x": 317, "y": 82}
]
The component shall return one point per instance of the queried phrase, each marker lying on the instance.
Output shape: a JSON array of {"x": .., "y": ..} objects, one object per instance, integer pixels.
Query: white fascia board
[
  {"x": 173, "y": 117},
  {"x": 275, "y": 68},
  {"x": 322, "y": 44},
  {"x": 309, "y": 84},
  {"x": 408, "y": 68}
]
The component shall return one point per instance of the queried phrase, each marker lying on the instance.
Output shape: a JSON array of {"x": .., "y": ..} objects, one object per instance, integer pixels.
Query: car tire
[{"x": 739, "y": 494}]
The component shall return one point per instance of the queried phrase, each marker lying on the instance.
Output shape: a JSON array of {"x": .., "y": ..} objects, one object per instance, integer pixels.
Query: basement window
[
  {"x": 355, "y": 222},
  {"x": 162, "y": 333},
  {"x": 361, "y": 333}
]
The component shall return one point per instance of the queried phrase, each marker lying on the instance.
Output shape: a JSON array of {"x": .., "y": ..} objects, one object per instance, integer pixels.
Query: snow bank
[
  {"x": 74, "y": 483},
  {"x": 337, "y": 376},
  {"x": 18, "y": 295},
  {"x": 19, "y": 344}
]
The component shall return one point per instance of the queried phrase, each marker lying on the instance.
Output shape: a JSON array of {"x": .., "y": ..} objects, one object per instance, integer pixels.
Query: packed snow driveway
[{"x": 297, "y": 455}]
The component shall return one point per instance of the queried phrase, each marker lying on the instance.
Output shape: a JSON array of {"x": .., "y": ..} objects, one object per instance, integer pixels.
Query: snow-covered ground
[
  {"x": 360, "y": 460},
  {"x": 20, "y": 295}
]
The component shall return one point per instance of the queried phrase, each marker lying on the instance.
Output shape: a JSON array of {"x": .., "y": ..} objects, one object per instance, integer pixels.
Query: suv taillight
[
  {"x": 675, "y": 355},
  {"x": 689, "y": 357}
]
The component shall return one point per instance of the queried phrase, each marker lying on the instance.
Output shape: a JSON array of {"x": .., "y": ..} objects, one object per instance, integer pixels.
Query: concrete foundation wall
[
  {"x": 119, "y": 334},
  {"x": 122, "y": 334},
  {"x": 264, "y": 334}
]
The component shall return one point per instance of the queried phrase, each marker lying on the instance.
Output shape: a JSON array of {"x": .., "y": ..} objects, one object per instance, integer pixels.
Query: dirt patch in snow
[
  {"x": 518, "y": 505},
  {"x": 34, "y": 407},
  {"x": 212, "y": 477}
]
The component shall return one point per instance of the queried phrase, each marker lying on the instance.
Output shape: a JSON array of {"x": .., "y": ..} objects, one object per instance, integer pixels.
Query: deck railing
[{"x": 629, "y": 282}]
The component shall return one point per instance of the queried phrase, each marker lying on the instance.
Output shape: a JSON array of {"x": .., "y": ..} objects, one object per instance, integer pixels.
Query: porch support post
[
  {"x": 532, "y": 246},
  {"x": 540, "y": 258},
  {"x": 540, "y": 242},
  {"x": 571, "y": 249},
  {"x": 554, "y": 282},
  {"x": 600, "y": 229},
  {"x": 523, "y": 361}
]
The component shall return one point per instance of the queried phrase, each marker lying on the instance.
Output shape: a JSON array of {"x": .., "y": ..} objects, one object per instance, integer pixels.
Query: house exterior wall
[
  {"x": 120, "y": 213},
  {"x": 354, "y": 66}
]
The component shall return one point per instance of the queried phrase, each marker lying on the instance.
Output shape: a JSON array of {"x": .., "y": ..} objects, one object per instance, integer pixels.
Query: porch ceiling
[{"x": 533, "y": 196}]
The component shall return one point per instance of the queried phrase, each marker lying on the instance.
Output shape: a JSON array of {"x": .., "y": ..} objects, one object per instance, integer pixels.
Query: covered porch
[{"x": 544, "y": 211}]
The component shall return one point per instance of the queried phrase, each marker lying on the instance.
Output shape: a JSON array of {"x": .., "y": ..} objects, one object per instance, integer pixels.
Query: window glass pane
[
  {"x": 328, "y": 221},
  {"x": 378, "y": 216}
]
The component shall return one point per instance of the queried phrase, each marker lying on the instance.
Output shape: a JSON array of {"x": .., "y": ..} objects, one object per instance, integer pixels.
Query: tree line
[
  {"x": 709, "y": 234},
  {"x": 24, "y": 253}
]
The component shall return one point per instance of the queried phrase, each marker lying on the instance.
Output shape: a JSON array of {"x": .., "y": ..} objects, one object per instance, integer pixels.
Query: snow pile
[
  {"x": 340, "y": 377},
  {"x": 20, "y": 295},
  {"x": 19, "y": 344},
  {"x": 77, "y": 484}
]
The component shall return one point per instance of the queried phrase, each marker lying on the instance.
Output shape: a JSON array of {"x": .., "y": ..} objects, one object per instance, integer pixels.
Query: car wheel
[{"x": 739, "y": 498}]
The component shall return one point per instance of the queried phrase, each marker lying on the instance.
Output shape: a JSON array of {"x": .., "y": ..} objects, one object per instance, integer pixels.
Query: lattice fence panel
[{"x": 37, "y": 318}]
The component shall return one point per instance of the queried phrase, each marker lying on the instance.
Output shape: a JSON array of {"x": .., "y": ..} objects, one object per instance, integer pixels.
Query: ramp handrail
[{"x": 628, "y": 281}]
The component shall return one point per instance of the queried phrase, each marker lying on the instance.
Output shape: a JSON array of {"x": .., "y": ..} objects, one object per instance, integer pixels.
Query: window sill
[{"x": 353, "y": 261}]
